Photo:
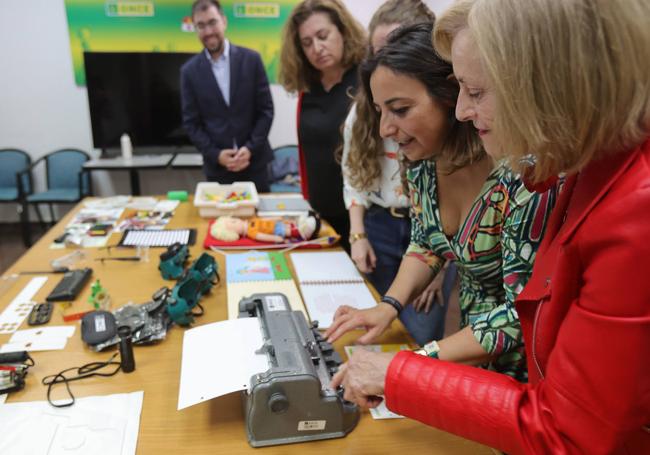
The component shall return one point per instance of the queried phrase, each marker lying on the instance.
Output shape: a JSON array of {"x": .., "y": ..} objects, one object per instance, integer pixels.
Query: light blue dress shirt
[{"x": 221, "y": 70}]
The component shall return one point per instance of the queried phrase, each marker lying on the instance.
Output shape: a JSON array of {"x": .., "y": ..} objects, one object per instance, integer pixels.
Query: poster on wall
[{"x": 166, "y": 26}]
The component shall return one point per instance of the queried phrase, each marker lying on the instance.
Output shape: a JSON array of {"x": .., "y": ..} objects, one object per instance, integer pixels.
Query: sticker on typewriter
[
  {"x": 311, "y": 425},
  {"x": 275, "y": 303}
]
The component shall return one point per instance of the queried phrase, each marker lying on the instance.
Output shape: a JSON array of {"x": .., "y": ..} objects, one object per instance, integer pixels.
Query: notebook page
[
  {"x": 330, "y": 266},
  {"x": 322, "y": 300}
]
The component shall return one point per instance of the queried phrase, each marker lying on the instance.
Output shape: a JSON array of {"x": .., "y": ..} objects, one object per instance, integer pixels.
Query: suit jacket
[
  {"x": 585, "y": 317},
  {"x": 212, "y": 125}
]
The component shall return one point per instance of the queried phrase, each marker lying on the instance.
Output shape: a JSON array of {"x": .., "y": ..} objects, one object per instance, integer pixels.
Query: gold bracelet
[{"x": 354, "y": 237}]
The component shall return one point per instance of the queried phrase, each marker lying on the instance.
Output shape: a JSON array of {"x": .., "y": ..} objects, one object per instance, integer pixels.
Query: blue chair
[
  {"x": 284, "y": 174},
  {"x": 66, "y": 180},
  {"x": 13, "y": 188}
]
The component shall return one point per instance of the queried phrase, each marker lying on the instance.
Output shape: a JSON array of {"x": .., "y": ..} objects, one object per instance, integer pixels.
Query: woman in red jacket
[{"x": 566, "y": 86}]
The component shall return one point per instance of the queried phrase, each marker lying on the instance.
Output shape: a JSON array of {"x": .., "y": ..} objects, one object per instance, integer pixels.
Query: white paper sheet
[
  {"x": 322, "y": 300},
  {"x": 106, "y": 425},
  {"x": 329, "y": 266},
  {"x": 39, "y": 339},
  {"x": 43, "y": 344},
  {"x": 219, "y": 358},
  {"x": 60, "y": 331}
]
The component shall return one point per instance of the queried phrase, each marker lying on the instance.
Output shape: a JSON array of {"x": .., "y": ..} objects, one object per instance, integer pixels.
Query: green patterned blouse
[{"x": 494, "y": 250}]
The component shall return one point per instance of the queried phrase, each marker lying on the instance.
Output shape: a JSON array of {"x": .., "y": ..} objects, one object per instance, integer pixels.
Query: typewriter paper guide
[{"x": 219, "y": 358}]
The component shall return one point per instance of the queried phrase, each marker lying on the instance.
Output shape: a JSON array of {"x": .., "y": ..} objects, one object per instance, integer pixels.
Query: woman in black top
[{"x": 322, "y": 46}]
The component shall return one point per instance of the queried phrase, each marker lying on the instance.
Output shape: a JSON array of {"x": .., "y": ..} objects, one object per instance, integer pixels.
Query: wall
[{"x": 41, "y": 108}]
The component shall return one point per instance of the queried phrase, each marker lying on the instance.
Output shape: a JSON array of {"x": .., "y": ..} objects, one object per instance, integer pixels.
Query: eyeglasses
[{"x": 201, "y": 26}]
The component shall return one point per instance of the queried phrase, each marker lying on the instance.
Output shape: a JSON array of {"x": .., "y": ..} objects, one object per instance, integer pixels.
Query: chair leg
[
  {"x": 52, "y": 219},
  {"x": 23, "y": 214},
  {"x": 41, "y": 223}
]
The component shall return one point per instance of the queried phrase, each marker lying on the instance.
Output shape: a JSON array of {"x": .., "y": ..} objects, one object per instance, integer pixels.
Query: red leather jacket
[{"x": 585, "y": 317}]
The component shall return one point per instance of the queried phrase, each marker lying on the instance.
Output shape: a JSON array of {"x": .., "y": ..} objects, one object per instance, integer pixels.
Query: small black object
[
  {"x": 97, "y": 327},
  {"x": 127, "y": 361},
  {"x": 40, "y": 314},
  {"x": 119, "y": 258},
  {"x": 70, "y": 285},
  {"x": 14, "y": 366},
  {"x": 16, "y": 357},
  {"x": 44, "y": 272},
  {"x": 61, "y": 238},
  {"x": 392, "y": 302}
]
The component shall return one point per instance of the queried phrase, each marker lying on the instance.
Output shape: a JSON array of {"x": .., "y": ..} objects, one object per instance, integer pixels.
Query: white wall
[{"x": 41, "y": 108}]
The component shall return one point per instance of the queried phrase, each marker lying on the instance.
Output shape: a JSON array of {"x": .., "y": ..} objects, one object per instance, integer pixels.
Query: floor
[{"x": 11, "y": 243}]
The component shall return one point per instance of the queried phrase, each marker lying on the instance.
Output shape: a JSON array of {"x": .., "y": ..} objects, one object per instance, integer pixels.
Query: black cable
[
  {"x": 120, "y": 258},
  {"x": 83, "y": 372},
  {"x": 31, "y": 361},
  {"x": 199, "y": 313}
]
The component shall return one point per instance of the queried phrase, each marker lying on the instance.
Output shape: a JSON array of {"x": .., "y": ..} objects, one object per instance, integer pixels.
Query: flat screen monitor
[{"x": 136, "y": 93}]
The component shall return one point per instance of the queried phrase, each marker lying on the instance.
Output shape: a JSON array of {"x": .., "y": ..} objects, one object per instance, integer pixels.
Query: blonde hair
[
  {"x": 220, "y": 231},
  {"x": 447, "y": 26},
  {"x": 366, "y": 147},
  {"x": 582, "y": 85},
  {"x": 296, "y": 74}
]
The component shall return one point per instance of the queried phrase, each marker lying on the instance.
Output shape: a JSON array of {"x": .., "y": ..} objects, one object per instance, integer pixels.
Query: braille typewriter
[{"x": 292, "y": 401}]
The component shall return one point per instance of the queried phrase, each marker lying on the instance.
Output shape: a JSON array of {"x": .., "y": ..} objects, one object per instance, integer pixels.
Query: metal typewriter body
[{"x": 291, "y": 401}]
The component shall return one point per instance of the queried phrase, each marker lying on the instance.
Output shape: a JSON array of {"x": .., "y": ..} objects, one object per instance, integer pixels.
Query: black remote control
[{"x": 40, "y": 314}]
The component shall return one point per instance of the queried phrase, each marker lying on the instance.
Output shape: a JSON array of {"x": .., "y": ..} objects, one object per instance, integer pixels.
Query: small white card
[
  {"x": 61, "y": 331},
  {"x": 39, "y": 339},
  {"x": 44, "y": 344}
]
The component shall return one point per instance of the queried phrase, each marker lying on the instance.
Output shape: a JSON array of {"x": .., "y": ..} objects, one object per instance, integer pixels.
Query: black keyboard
[{"x": 70, "y": 285}]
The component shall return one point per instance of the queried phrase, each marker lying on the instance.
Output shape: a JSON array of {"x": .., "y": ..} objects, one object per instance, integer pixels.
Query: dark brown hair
[
  {"x": 202, "y": 5},
  {"x": 409, "y": 52},
  {"x": 366, "y": 146}
]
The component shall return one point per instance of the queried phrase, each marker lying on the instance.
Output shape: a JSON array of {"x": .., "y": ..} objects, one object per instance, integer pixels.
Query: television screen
[{"x": 136, "y": 93}]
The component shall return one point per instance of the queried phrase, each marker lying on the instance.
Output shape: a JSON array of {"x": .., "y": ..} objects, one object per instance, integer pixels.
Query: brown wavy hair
[
  {"x": 409, "y": 52},
  {"x": 296, "y": 73},
  {"x": 366, "y": 147}
]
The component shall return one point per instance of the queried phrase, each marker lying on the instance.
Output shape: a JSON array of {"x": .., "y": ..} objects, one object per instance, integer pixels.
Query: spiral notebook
[
  {"x": 328, "y": 280},
  {"x": 257, "y": 272}
]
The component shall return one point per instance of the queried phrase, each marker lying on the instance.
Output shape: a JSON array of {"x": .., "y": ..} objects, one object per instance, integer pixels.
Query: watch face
[{"x": 431, "y": 349}]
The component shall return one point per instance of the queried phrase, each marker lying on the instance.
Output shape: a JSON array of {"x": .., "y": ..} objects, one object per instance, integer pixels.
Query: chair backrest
[
  {"x": 287, "y": 153},
  {"x": 284, "y": 170},
  {"x": 64, "y": 169},
  {"x": 13, "y": 161}
]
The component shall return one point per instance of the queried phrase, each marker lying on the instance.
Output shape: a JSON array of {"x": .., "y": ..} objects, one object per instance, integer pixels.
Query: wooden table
[{"x": 212, "y": 427}]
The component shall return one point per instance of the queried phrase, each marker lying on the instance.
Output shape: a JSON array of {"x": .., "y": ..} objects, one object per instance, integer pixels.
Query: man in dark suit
[{"x": 227, "y": 104}]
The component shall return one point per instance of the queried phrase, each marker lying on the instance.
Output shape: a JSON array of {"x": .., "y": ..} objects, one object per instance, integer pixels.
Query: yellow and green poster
[{"x": 166, "y": 26}]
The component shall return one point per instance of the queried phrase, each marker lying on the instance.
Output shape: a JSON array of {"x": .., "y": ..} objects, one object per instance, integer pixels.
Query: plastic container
[{"x": 214, "y": 199}]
